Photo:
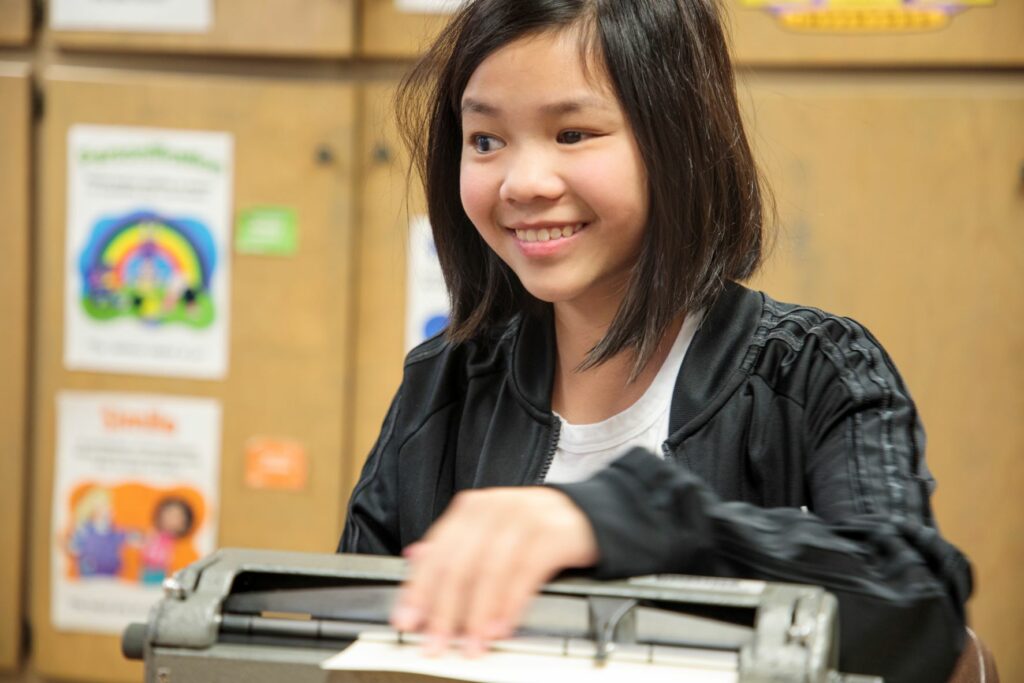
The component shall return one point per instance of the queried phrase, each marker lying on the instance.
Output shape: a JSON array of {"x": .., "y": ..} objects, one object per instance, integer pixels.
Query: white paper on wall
[
  {"x": 426, "y": 300},
  {"x": 151, "y": 16},
  {"x": 147, "y": 268},
  {"x": 135, "y": 498},
  {"x": 428, "y": 6}
]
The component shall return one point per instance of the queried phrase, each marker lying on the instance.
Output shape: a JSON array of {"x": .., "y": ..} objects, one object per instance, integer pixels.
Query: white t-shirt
[{"x": 585, "y": 449}]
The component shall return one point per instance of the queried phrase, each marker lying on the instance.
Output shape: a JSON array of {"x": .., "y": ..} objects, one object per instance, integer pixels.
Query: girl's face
[
  {"x": 551, "y": 175},
  {"x": 172, "y": 520}
]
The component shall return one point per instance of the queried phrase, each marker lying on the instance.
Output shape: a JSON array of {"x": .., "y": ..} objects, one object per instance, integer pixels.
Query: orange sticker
[{"x": 272, "y": 463}]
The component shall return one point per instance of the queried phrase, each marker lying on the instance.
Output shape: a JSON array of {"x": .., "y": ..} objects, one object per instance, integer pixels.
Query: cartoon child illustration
[
  {"x": 148, "y": 286},
  {"x": 173, "y": 519},
  {"x": 96, "y": 543},
  {"x": 103, "y": 286}
]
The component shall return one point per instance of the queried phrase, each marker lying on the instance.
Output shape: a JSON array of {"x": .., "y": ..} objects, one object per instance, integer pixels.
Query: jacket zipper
[{"x": 550, "y": 456}]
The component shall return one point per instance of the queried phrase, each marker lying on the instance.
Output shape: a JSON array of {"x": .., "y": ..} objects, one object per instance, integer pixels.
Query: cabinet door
[
  {"x": 901, "y": 204},
  {"x": 15, "y": 133},
  {"x": 288, "y": 369},
  {"x": 383, "y": 239},
  {"x": 387, "y": 31},
  {"x": 310, "y": 28},
  {"x": 979, "y": 33},
  {"x": 15, "y": 22},
  {"x": 838, "y": 32}
]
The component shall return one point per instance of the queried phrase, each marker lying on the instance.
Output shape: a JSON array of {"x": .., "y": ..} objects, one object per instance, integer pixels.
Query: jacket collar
[
  {"x": 711, "y": 369},
  {"x": 713, "y": 365},
  {"x": 533, "y": 362}
]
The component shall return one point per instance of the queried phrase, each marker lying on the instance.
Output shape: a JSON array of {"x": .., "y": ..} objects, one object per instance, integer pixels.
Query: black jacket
[{"x": 776, "y": 408}]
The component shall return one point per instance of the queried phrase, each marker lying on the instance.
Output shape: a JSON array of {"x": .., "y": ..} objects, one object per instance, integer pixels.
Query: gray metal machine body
[{"x": 254, "y": 616}]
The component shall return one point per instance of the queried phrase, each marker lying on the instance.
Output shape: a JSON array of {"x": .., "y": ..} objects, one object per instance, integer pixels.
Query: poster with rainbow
[{"x": 147, "y": 260}]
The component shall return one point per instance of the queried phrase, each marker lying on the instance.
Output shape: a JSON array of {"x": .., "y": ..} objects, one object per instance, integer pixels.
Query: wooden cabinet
[
  {"x": 15, "y": 311},
  {"x": 981, "y": 35},
  {"x": 383, "y": 239},
  {"x": 15, "y": 22},
  {"x": 388, "y": 32},
  {"x": 901, "y": 204},
  {"x": 290, "y": 315},
  {"x": 282, "y": 28}
]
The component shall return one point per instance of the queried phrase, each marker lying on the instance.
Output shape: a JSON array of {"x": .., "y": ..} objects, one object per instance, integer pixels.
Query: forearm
[{"x": 901, "y": 588}]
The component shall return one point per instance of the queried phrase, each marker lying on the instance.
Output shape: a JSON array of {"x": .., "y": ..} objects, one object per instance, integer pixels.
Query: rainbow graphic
[{"x": 151, "y": 267}]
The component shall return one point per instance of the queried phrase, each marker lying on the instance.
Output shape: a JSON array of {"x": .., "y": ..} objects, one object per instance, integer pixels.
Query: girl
[
  {"x": 173, "y": 519},
  {"x": 606, "y": 396}
]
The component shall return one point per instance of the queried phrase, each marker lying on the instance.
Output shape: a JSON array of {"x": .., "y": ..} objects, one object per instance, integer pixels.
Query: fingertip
[
  {"x": 406, "y": 618},
  {"x": 435, "y": 646},
  {"x": 497, "y": 629},
  {"x": 473, "y": 648}
]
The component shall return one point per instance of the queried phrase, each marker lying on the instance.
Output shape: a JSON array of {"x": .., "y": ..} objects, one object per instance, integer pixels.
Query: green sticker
[{"x": 267, "y": 230}]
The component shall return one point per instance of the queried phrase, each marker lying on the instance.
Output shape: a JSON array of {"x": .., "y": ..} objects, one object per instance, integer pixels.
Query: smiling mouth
[{"x": 548, "y": 234}]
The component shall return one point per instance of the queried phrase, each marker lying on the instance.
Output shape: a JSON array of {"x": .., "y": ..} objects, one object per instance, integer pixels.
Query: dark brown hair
[
  {"x": 668, "y": 63},
  {"x": 180, "y": 503}
]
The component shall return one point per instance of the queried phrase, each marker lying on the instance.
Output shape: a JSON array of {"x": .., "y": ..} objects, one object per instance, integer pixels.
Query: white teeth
[{"x": 548, "y": 234}]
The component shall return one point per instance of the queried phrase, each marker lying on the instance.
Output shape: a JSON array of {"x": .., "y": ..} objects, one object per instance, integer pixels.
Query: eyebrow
[{"x": 554, "y": 108}]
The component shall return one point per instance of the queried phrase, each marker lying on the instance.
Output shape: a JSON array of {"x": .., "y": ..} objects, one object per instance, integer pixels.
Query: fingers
[
  {"x": 411, "y": 551},
  {"x": 476, "y": 570},
  {"x": 484, "y": 618},
  {"x": 519, "y": 592},
  {"x": 439, "y": 566},
  {"x": 453, "y": 568}
]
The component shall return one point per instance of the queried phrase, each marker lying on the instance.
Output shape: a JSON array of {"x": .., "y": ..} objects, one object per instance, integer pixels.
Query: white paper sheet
[
  {"x": 135, "y": 498},
  {"x": 162, "y": 16},
  {"x": 428, "y": 6},
  {"x": 147, "y": 258},
  {"x": 373, "y": 652}
]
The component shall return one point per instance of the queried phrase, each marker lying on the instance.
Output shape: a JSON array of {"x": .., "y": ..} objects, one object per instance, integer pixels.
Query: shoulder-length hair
[{"x": 668, "y": 63}]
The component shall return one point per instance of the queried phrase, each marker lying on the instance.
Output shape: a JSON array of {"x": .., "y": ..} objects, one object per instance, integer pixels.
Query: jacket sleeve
[
  {"x": 371, "y": 527},
  {"x": 869, "y": 540}
]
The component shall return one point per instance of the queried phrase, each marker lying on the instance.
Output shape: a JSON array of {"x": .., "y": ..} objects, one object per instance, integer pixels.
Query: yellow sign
[{"x": 847, "y": 16}]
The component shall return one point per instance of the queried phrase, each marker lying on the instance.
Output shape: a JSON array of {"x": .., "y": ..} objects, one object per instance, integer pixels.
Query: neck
[
  {"x": 576, "y": 332},
  {"x": 595, "y": 394}
]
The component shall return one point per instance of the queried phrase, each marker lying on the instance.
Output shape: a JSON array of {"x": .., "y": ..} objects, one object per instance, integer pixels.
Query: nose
[{"x": 531, "y": 176}]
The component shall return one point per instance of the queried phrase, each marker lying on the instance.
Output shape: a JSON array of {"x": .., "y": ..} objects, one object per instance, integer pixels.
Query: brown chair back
[{"x": 976, "y": 664}]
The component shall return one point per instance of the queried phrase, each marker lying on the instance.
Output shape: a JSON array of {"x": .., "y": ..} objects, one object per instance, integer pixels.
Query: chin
[{"x": 550, "y": 293}]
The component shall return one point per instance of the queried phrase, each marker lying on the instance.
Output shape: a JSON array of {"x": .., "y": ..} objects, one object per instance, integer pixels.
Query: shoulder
[
  {"x": 491, "y": 348},
  {"x": 803, "y": 350},
  {"x": 437, "y": 371},
  {"x": 799, "y": 327}
]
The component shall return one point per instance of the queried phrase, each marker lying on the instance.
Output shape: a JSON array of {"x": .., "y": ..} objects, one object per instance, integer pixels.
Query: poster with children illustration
[
  {"x": 135, "y": 499},
  {"x": 147, "y": 268}
]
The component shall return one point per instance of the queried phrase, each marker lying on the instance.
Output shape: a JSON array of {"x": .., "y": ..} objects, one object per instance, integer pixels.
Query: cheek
[
  {"x": 478, "y": 197},
  {"x": 615, "y": 185}
]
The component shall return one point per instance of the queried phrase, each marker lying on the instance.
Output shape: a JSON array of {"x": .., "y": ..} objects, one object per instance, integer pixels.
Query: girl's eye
[
  {"x": 485, "y": 144},
  {"x": 571, "y": 137}
]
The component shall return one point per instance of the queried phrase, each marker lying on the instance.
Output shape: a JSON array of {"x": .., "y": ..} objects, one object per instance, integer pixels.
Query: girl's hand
[{"x": 482, "y": 562}]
